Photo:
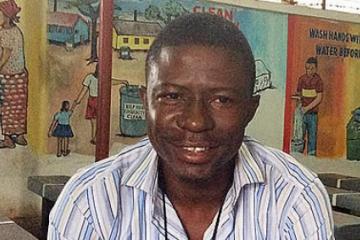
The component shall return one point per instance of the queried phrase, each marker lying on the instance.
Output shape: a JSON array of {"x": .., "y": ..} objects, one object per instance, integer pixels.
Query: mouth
[
  {"x": 196, "y": 149},
  {"x": 195, "y": 154}
]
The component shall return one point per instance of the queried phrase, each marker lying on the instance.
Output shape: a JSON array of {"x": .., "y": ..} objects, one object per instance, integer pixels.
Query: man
[
  {"x": 310, "y": 92},
  {"x": 197, "y": 177}
]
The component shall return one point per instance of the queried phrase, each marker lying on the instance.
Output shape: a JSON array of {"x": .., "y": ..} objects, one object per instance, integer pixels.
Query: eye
[
  {"x": 170, "y": 97},
  {"x": 222, "y": 99}
]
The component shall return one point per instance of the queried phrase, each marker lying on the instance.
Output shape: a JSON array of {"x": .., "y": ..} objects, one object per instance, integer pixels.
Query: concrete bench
[
  {"x": 340, "y": 181},
  {"x": 49, "y": 189},
  {"x": 9, "y": 230},
  {"x": 337, "y": 195},
  {"x": 347, "y": 227}
]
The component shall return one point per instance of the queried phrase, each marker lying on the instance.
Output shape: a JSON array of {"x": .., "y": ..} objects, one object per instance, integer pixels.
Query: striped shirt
[{"x": 272, "y": 197}]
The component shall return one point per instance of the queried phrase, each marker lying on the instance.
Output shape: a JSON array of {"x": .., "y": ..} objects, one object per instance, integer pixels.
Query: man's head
[
  {"x": 311, "y": 66},
  {"x": 200, "y": 76}
]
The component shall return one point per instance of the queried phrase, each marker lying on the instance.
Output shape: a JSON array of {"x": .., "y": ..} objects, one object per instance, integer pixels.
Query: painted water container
[
  {"x": 353, "y": 136},
  {"x": 132, "y": 112}
]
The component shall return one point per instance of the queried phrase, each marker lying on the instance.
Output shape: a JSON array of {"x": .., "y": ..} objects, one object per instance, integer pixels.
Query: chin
[{"x": 194, "y": 175}]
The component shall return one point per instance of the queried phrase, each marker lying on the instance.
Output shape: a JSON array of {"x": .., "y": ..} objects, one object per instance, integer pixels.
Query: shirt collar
[
  {"x": 248, "y": 170},
  {"x": 144, "y": 175}
]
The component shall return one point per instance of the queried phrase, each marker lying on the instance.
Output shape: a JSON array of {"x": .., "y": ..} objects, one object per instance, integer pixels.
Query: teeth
[{"x": 196, "y": 149}]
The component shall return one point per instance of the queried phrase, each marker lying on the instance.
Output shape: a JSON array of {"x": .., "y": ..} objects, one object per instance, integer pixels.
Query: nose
[{"x": 196, "y": 117}]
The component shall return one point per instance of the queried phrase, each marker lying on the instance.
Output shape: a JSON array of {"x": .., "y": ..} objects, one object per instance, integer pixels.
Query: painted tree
[
  {"x": 165, "y": 14},
  {"x": 153, "y": 13},
  {"x": 55, "y": 5},
  {"x": 91, "y": 9},
  {"x": 173, "y": 9}
]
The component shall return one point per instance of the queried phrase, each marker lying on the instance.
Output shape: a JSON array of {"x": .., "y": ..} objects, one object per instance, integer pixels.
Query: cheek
[
  {"x": 159, "y": 113},
  {"x": 230, "y": 125}
]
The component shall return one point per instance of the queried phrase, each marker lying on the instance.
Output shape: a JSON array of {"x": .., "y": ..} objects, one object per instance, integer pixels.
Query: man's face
[
  {"x": 310, "y": 69},
  {"x": 198, "y": 104}
]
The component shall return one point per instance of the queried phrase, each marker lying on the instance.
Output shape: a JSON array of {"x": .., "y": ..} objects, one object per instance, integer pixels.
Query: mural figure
[
  {"x": 13, "y": 77},
  {"x": 310, "y": 92},
  {"x": 61, "y": 129},
  {"x": 90, "y": 86}
]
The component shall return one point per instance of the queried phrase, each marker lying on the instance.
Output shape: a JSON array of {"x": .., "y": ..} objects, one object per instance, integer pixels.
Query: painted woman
[{"x": 13, "y": 77}]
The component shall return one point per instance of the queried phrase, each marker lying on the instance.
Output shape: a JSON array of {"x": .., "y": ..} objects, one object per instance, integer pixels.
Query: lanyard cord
[{"x": 165, "y": 219}]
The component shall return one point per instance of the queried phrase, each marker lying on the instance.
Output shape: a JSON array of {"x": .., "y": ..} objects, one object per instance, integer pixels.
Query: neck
[{"x": 195, "y": 193}]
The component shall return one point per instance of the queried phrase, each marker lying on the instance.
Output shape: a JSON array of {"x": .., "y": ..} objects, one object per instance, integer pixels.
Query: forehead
[
  {"x": 204, "y": 55},
  {"x": 192, "y": 63},
  {"x": 310, "y": 65}
]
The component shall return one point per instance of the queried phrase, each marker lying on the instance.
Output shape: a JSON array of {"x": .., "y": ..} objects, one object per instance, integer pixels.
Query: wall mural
[
  {"x": 13, "y": 78},
  {"x": 323, "y": 70},
  {"x": 296, "y": 113},
  {"x": 72, "y": 37}
]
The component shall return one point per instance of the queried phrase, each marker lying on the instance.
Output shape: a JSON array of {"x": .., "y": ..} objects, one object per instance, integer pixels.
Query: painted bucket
[{"x": 132, "y": 112}]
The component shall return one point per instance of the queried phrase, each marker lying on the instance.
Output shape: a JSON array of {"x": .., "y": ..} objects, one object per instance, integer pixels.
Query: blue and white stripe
[{"x": 272, "y": 197}]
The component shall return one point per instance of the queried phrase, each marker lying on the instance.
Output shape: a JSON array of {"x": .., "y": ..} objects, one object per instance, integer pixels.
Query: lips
[{"x": 195, "y": 154}]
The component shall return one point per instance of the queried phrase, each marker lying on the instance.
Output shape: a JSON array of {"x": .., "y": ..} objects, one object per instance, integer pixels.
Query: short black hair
[
  {"x": 204, "y": 29},
  {"x": 63, "y": 105},
  {"x": 312, "y": 60}
]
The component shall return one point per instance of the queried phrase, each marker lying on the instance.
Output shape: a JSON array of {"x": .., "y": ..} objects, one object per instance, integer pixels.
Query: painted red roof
[{"x": 63, "y": 19}]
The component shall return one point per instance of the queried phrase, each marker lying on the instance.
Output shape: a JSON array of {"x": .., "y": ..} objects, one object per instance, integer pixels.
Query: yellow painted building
[{"x": 136, "y": 35}]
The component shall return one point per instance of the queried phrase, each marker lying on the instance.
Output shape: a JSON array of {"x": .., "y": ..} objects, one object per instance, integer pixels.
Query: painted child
[
  {"x": 90, "y": 86},
  {"x": 60, "y": 128}
]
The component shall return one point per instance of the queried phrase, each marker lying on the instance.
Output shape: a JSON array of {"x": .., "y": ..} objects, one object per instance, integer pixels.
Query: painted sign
[{"x": 134, "y": 111}]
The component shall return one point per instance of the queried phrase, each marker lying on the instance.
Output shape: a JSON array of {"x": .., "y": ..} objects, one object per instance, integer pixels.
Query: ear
[{"x": 252, "y": 107}]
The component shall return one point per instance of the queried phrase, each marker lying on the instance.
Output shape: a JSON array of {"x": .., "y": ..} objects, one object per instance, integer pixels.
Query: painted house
[
  {"x": 67, "y": 28},
  {"x": 136, "y": 35}
]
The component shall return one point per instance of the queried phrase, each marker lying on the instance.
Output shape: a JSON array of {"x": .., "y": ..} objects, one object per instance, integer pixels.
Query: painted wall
[
  {"x": 281, "y": 43},
  {"x": 22, "y": 161}
]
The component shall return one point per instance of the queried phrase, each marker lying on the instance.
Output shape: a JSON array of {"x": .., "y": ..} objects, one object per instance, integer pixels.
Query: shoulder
[
  {"x": 112, "y": 167},
  {"x": 302, "y": 77},
  {"x": 17, "y": 31},
  {"x": 317, "y": 77},
  {"x": 280, "y": 166},
  {"x": 97, "y": 187},
  {"x": 57, "y": 115},
  {"x": 88, "y": 78}
]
